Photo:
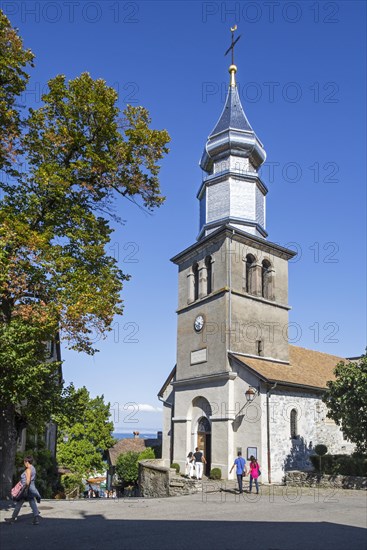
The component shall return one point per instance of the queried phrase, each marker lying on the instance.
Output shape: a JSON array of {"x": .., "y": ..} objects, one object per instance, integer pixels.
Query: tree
[
  {"x": 55, "y": 225},
  {"x": 127, "y": 464},
  {"x": 84, "y": 431},
  {"x": 346, "y": 399},
  {"x": 13, "y": 81}
]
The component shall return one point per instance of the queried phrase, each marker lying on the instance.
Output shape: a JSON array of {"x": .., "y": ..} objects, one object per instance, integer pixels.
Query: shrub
[
  {"x": 146, "y": 454},
  {"x": 215, "y": 473},
  {"x": 341, "y": 465},
  {"x": 127, "y": 465},
  {"x": 176, "y": 467},
  {"x": 72, "y": 483},
  {"x": 320, "y": 450}
]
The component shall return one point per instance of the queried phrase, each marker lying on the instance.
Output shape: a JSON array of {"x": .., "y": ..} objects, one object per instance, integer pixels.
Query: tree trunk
[{"x": 8, "y": 448}]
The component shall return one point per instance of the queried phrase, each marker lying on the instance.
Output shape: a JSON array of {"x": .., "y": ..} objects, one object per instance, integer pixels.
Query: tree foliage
[
  {"x": 79, "y": 154},
  {"x": 127, "y": 465},
  {"x": 84, "y": 431},
  {"x": 346, "y": 400},
  {"x": 14, "y": 60},
  {"x": 44, "y": 462}
]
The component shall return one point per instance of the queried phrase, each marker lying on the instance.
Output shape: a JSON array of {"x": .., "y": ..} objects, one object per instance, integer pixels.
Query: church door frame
[{"x": 204, "y": 441}]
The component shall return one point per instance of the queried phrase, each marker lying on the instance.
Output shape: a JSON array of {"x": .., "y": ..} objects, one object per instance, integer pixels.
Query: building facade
[{"x": 238, "y": 384}]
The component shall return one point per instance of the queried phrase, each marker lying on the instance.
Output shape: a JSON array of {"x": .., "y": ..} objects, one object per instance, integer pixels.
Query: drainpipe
[{"x": 268, "y": 428}]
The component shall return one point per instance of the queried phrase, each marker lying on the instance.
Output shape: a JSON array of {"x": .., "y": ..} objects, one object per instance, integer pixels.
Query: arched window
[
  {"x": 266, "y": 282},
  {"x": 195, "y": 270},
  {"x": 209, "y": 274},
  {"x": 250, "y": 260},
  {"x": 293, "y": 424},
  {"x": 204, "y": 425}
]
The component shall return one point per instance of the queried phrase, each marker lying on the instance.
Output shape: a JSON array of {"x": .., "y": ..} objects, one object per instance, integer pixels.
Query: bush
[
  {"x": 146, "y": 454},
  {"x": 215, "y": 473},
  {"x": 127, "y": 467},
  {"x": 320, "y": 450},
  {"x": 72, "y": 483},
  {"x": 344, "y": 465},
  {"x": 176, "y": 467}
]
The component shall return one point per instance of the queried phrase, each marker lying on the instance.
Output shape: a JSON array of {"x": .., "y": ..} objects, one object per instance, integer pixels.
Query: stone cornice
[
  {"x": 228, "y": 221},
  {"x": 241, "y": 236},
  {"x": 231, "y": 352},
  {"x": 226, "y": 375},
  {"x": 261, "y": 299},
  {"x": 223, "y": 291}
]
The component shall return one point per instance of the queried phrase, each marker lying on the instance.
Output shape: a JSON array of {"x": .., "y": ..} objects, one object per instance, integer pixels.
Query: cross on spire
[{"x": 231, "y": 47}]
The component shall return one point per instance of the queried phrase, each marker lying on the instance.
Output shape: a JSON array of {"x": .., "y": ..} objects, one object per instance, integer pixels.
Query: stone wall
[
  {"x": 157, "y": 480},
  {"x": 289, "y": 454},
  {"x": 311, "y": 479}
]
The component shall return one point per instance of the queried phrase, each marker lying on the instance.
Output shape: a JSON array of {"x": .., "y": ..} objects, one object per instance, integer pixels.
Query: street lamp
[{"x": 251, "y": 393}]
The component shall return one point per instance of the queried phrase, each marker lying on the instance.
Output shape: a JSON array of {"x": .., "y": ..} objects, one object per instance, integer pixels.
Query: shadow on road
[{"x": 93, "y": 531}]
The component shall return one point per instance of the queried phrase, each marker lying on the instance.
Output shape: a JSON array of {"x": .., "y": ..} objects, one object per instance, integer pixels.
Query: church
[{"x": 238, "y": 384}]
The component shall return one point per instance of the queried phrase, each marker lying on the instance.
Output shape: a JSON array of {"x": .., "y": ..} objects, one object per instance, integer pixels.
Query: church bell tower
[{"x": 233, "y": 291}]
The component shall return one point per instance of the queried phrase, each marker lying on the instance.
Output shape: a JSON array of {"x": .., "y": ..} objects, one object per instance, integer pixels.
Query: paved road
[{"x": 279, "y": 519}]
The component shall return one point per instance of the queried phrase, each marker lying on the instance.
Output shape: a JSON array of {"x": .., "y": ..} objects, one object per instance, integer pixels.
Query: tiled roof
[
  {"x": 306, "y": 368},
  {"x": 233, "y": 115},
  {"x": 137, "y": 444}
]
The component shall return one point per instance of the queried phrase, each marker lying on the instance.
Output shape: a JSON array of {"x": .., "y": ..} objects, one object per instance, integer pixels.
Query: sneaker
[
  {"x": 9, "y": 520},
  {"x": 38, "y": 499},
  {"x": 35, "y": 521}
]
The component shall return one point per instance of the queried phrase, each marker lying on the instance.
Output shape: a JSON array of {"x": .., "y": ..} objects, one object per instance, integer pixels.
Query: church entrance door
[{"x": 204, "y": 442}]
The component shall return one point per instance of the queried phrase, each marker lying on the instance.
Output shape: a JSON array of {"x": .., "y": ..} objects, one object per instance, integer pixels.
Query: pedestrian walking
[
  {"x": 199, "y": 463},
  {"x": 240, "y": 464},
  {"x": 29, "y": 493},
  {"x": 254, "y": 473}
]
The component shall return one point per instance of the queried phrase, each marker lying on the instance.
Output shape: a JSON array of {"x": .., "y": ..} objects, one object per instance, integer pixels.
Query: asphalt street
[{"x": 280, "y": 518}]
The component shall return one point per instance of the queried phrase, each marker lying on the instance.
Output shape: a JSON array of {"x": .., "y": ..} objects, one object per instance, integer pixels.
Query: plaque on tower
[{"x": 198, "y": 356}]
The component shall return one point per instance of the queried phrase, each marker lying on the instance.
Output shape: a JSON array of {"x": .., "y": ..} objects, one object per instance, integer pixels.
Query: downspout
[{"x": 268, "y": 429}]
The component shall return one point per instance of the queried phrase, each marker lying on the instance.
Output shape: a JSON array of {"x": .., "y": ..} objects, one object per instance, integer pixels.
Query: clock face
[{"x": 199, "y": 323}]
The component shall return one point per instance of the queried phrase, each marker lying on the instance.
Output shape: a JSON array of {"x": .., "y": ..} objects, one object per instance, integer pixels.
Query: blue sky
[{"x": 301, "y": 77}]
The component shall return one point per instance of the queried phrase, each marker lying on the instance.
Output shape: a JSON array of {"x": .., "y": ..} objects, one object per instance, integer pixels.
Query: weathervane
[{"x": 231, "y": 47}]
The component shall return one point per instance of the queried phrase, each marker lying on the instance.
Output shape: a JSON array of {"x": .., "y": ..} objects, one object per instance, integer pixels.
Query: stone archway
[{"x": 200, "y": 412}]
